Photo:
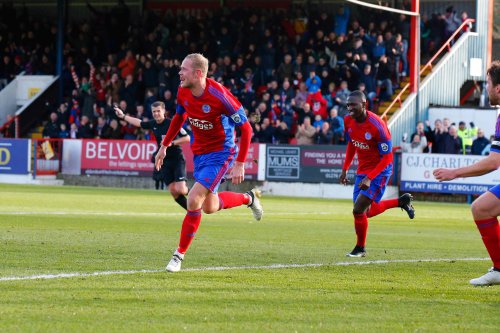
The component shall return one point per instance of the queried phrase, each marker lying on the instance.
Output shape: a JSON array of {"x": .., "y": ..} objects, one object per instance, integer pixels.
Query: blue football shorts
[
  {"x": 495, "y": 190},
  {"x": 376, "y": 189},
  {"x": 210, "y": 169}
]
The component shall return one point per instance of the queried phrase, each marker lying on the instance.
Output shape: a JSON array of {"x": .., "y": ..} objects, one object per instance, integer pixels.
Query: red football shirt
[
  {"x": 371, "y": 139},
  {"x": 212, "y": 117}
]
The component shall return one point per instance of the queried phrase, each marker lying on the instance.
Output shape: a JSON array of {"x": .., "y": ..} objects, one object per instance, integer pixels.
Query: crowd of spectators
[
  {"x": 447, "y": 138},
  {"x": 291, "y": 70}
]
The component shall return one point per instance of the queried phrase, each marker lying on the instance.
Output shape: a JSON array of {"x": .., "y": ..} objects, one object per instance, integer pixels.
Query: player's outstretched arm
[{"x": 484, "y": 166}]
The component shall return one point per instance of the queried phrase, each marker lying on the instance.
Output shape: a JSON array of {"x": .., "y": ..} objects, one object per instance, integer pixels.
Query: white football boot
[
  {"x": 175, "y": 263},
  {"x": 488, "y": 279},
  {"x": 254, "y": 204}
]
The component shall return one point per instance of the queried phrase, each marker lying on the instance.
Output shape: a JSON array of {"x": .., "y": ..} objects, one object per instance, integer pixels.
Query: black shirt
[{"x": 160, "y": 130}]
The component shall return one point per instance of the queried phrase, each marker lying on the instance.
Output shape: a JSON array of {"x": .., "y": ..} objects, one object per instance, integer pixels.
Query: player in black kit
[{"x": 173, "y": 171}]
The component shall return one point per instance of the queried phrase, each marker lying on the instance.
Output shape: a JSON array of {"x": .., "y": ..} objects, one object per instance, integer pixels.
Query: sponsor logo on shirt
[
  {"x": 360, "y": 145},
  {"x": 206, "y": 108},
  {"x": 236, "y": 118},
  {"x": 201, "y": 124},
  {"x": 368, "y": 136}
]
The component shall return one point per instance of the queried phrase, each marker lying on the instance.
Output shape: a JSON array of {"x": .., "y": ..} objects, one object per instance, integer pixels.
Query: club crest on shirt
[
  {"x": 236, "y": 118},
  {"x": 368, "y": 136},
  {"x": 206, "y": 108}
]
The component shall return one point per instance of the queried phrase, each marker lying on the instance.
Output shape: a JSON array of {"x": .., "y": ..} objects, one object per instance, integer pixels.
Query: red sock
[
  {"x": 232, "y": 199},
  {"x": 490, "y": 232},
  {"x": 382, "y": 206},
  {"x": 361, "y": 227},
  {"x": 189, "y": 226}
]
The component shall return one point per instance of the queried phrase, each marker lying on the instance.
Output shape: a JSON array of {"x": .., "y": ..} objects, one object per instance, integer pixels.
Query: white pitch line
[
  {"x": 150, "y": 214},
  {"x": 231, "y": 268}
]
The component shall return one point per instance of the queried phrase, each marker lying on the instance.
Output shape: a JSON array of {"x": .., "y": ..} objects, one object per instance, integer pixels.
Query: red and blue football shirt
[
  {"x": 212, "y": 117},
  {"x": 371, "y": 140},
  {"x": 495, "y": 145}
]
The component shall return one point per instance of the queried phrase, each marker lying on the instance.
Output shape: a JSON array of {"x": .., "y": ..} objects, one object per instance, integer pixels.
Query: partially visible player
[
  {"x": 213, "y": 112},
  {"x": 173, "y": 171},
  {"x": 369, "y": 138},
  {"x": 486, "y": 208}
]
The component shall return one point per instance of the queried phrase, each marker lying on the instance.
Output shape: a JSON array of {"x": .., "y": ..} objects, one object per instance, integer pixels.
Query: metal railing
[{"x": 5, "y": 128}]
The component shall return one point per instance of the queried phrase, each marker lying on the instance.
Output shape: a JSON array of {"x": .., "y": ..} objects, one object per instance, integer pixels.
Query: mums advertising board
[{"x": 117, "y": 157}]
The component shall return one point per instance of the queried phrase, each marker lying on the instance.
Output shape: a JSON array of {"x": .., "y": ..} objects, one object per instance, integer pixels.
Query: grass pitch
[{"x": 55, "y": 230}]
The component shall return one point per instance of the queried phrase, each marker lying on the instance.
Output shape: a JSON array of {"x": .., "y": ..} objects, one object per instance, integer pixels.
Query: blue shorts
[
  {"x": 209, "y": 169},
  {"x": 495, "y": 190},
  {"x": 376, "y": 189}
]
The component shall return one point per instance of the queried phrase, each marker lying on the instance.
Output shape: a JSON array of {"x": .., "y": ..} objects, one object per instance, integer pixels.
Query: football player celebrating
[
  {"x": 369, "y": 138},
  {"x": 486, "y": 208},
  {"x": 213, "y": 112}
]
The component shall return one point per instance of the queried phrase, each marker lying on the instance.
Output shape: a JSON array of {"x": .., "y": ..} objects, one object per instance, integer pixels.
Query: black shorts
[{"x": 171, "y": 171}]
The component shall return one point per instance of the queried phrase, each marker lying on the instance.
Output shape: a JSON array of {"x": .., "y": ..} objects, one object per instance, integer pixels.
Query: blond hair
[{"x": 199, "y": 62}]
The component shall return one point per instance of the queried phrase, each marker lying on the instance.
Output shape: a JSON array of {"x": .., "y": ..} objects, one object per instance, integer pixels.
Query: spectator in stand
[
  {"x": 446, "y": 124},
  {"x": 341, "y": 20},
  {"x": 464, "y": 16},
  {"x": 113, "y": 132},
  {"x": 73, "y": 131},
  {"x": 420, "y": 131},
  {"x": 128, "y": 92},
  {"x": 63, "y": 114},
  {"x": 452, "y": 22},
  {"x": 417, "y": 145},
  {"x": 378, "y": 48},
  {"x": 305, "y": 133},
  {"x": 63, "y": 133},
  {"x": 451, "y": 142},
  {"x": 341, "y": 98},
  {"x": 285, "y": 69},
  {"x": 318, "y": 122},
  {"x": 313, "y": 82},
  {"x": 282, "y": 133},
  {"x": 399, "y": 56},
  {"x": 304, "y": 111},
  {"x": 384, "y": 78},
  {"x": 127, "y": 65},
  {"x": 436, "y": 136},
  {"x": 100, "y": 128},
  {"x": 150, "y": 76},
  {"x": 7, "y": 71},
  {"x": 51, "y": 129},
  {"x": 301, "y": 95},
  {"x": 337, "y": 126},
  {"x": 265, "y": 131},
  {"x": 324, "y": 134},
  {"x": 368, "y": 78},
  {"x": 467, "y": 135},
  {"x": 318, "y": 104},
  {"x": 86, "y": 130},
  {"x": 481, "y": 145}
]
